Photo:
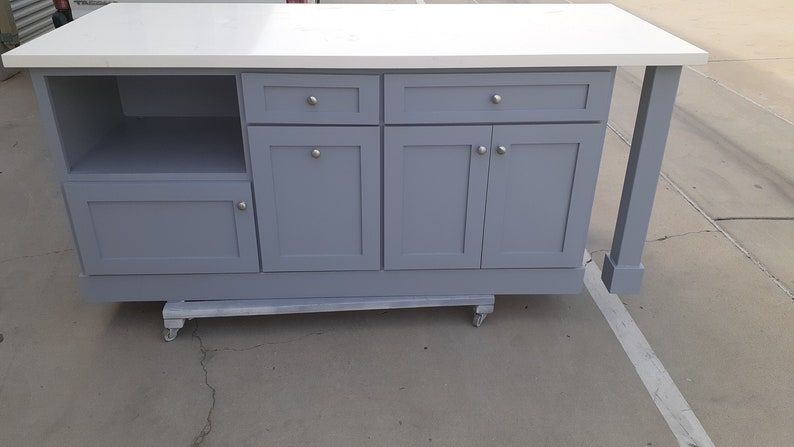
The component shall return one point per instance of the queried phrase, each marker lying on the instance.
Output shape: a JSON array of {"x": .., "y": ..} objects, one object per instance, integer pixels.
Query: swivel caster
[
  {"x": 478, "y": 319},
  {"x": 480, "y": 312},
  {"x": 172, "y": 326},
  {"x": 169, "y": 334}
]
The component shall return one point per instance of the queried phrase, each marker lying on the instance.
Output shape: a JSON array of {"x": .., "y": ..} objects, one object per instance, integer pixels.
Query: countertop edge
[{"x": 350, "y": 62}]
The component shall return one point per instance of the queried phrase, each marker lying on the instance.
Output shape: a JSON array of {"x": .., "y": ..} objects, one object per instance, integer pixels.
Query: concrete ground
[{"x": 716, "y": 304}]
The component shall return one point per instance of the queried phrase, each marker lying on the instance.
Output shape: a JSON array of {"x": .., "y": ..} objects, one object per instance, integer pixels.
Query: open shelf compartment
[{"x": 148, "y": 124}]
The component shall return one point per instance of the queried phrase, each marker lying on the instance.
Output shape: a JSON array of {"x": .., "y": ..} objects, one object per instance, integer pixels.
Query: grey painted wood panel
[
  {"x": 434, "y": 196},
  {"x": 168, "y": 145},
  {"x": 283, "y": 98},
  {"x": 85, "y": 110},
  {"x": 623, "y": 268},
  {"x": 49, "y": 121},
  {"x": 540, "y": 195},
  {"x": 317, "y": 213},
  {"x": 125, "y": 212},
  {"x": 163, "y": 227},
  {"x": 179, "y": 95},
  {"x": 148, "y": 124},
  {"x": 322, "y": 284},
  {"x": 524, "y": 97}
]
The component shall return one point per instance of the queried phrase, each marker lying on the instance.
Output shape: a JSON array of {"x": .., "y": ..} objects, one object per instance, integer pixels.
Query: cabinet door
[
  {"x": 434, "y": 196},
  {"x": 163, "y": 227},
  {"x": 318, "y": 197},
  {"x": 540, "y": 195}
]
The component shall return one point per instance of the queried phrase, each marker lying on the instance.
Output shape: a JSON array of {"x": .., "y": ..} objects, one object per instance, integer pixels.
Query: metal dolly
[{"x": 175, "y": 313}]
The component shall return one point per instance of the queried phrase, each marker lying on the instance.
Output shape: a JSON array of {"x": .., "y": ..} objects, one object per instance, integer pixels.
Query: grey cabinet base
[
  {"x": 176, "y": 312},
  {"x": 256, "y": 286}
]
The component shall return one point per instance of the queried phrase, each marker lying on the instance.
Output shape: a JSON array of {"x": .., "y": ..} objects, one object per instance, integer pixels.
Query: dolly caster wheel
[
  {"x": 478, "y": 319},
  {"x": 169, "y": 334}
]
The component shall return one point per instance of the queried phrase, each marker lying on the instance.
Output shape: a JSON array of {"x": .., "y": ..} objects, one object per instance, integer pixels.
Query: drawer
[
  {"x": 163, "y": 227},
  {"x": 497, "y": 97},
  {"x": 311, "y": 99}
]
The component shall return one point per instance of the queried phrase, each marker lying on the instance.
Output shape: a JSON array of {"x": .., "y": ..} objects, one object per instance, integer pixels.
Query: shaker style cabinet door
[
  {"x": 435, "y": 180},
  {"x": 540, "y": 193},
  {"x": 317, "y": 193},
  {"x": 163, "y": 227}
]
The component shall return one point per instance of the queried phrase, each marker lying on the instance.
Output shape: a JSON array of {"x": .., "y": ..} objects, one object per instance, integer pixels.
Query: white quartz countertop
[{"x": 383, "y": 36}]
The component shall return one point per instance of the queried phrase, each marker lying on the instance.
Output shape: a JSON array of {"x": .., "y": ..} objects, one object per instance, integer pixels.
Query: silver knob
[
  {"x": 312, "y": 100},
  {"x": 501, "y": 150},
  {"x": 496, "y": 99},
  {"x": 482, "y": 150},
  {"x": 242, "y": 206},
  {"x": 316, "y": 153}
]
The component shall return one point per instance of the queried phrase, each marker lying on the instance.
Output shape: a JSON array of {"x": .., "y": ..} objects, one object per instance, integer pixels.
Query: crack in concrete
[
  {"x": 730, "y": 238},
  {"x": 722, "y": 219},
  {"x": 592, "y": 255},
  {"x": 2, "y": 261},
  {"x": 205, "y": 431},
  {"x": 11, "y": 76},
  {"x": 671, "y": 236}
]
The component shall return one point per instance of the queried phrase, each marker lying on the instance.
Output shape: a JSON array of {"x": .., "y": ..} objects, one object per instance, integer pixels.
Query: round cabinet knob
[
  {"x": 482, "y": 150},
  {"x": 496, "y": 99},
  {"x": 312, "y": 100},
  {"x": 501, "y": 150},
  {"x": 242, "y": 206},
  {"x": 316, "y": 153}
]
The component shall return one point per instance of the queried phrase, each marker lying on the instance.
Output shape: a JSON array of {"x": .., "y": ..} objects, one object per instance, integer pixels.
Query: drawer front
[
  {"x": 163, "y": 227},
  {"x": 497, "y": 98},
  {"x": 311, "y": 99},
  {"x": 318, "y": 197}
]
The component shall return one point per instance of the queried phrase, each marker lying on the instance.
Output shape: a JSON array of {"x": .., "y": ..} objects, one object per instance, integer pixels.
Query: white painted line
[
  {"x": 420, "y": 2},
  {"x": 665, "y": 394}
]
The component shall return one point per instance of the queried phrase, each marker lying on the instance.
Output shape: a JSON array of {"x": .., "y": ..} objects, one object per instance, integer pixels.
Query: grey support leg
[{"x": 622, "y": 267}]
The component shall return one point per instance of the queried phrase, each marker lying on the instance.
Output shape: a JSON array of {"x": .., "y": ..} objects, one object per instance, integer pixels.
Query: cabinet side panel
[{"x": 86, "y": 108}]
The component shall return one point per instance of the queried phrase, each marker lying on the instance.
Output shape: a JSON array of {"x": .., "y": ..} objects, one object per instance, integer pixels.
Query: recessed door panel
[
  {"x": 434, "y": 199},
  {"x": 540, "y": 193},
  {"x": 318, "y": 193}
]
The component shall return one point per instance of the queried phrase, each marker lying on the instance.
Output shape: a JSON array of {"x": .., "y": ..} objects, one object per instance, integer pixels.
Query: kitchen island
[{"x": 242, "y": 159}]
